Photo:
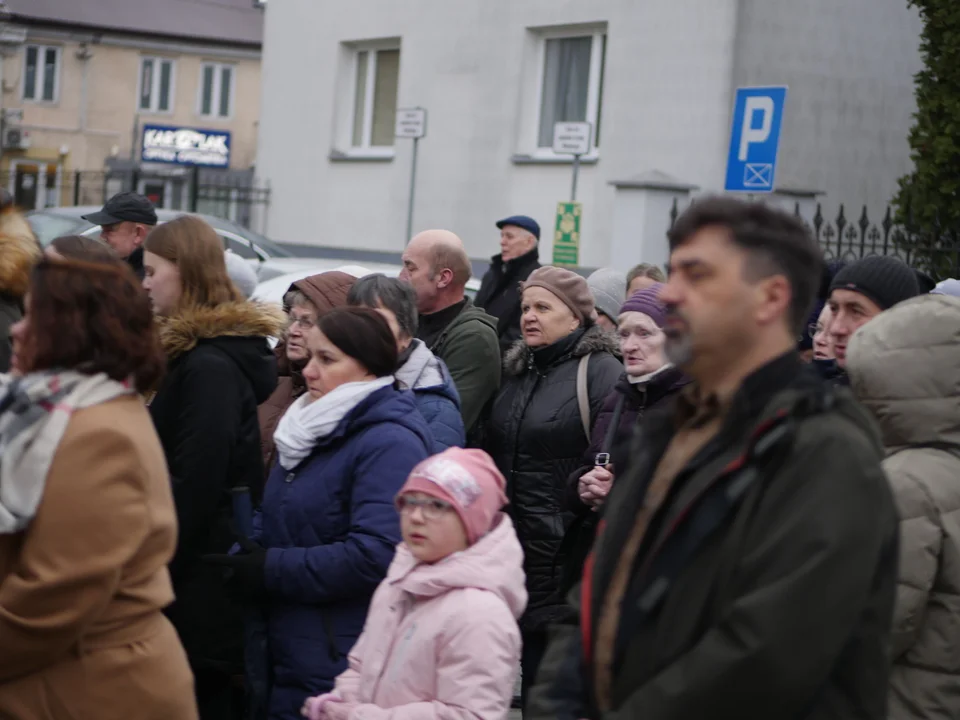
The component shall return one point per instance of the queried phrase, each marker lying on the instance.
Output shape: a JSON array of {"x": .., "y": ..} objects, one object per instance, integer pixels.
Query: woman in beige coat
[
  {"x": 87, "y": 524},
  {"x": 904, "y": 365}
]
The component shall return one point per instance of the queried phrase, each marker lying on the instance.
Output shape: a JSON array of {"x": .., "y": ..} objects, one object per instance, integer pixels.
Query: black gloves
[{"x": 244, "y": 575}]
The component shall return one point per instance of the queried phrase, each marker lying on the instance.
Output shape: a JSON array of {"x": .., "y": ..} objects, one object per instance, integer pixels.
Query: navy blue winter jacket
[
  {"x": 330, "y": 529},
  {"x": 436, "y": 396}
]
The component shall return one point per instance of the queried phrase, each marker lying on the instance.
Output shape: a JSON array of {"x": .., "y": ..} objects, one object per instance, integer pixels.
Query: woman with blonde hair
[{"x": 219, "y": 368}]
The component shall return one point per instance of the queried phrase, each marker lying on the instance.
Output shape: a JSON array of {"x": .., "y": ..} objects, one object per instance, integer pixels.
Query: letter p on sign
[
  {"x": 749, "y": 134},
  {"x": 755, "y": 139}
]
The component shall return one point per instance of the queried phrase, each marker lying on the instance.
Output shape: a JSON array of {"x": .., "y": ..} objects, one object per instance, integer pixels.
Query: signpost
[
  {"x": 755, "y": 139},
  {"x": 572, "y": 138},
  {"x": 411, "y": 123},
  {"x": 566, "y": 234}
]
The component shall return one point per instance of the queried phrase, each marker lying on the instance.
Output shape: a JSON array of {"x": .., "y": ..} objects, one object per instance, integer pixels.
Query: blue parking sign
[{"x": 754, "y": 139}]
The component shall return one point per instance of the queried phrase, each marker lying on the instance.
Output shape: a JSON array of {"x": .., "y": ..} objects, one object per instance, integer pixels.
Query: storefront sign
[
  {"x": 566, "y": 236},
  {"x": 186, "y": 146}
]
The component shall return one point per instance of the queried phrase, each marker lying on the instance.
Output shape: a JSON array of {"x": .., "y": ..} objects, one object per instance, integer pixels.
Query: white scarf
[
  {"x": 34, "y": 412},
  {"x": 309, "y": 420},
  {"x": 637, "y": 379}
]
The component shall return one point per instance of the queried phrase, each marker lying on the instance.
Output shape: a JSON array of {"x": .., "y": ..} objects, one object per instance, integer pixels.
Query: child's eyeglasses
[{"x": 432, "y": 508}]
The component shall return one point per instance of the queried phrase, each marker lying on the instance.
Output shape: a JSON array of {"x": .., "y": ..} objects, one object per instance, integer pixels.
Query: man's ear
[
  {"x": 142, "y": 232},
  {"x": 446, "y": 277}
]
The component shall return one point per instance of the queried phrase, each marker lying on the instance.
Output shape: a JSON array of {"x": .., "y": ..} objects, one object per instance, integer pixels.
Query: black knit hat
[{"x": 885, "y": 280}]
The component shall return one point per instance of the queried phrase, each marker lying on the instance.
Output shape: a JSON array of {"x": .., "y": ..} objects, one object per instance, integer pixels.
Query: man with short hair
[
  {"x": 862, "y": 290},
  {"x": 500, "y": 288},
  {"x": 436, "y": 265},
  {"x": 124, "y": 222},
  {"x": 747, "y": 563}
]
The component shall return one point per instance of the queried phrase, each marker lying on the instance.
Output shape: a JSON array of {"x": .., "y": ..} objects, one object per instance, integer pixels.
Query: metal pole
[
  {"x": 413, "y": 186},
  {"x": 576, "y": 172}
]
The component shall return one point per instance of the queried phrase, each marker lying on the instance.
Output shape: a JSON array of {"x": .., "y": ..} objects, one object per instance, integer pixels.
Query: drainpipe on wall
[{"x": 84, "y": 54}]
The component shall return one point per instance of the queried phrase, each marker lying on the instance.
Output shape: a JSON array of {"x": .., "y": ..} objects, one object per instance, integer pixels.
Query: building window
[
  {"x": 572, "y": 83},
  {"x": 156, "y": 85},
  {"x": 41, "y": 73},
  {"x": 216, "y": 90},
  {"x": 375, "y": 98}
]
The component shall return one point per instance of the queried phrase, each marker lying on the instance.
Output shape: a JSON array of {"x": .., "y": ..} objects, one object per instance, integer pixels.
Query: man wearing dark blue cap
[
  {"x": 124, "y": 223},
  {"x": 500, "y": 289}
]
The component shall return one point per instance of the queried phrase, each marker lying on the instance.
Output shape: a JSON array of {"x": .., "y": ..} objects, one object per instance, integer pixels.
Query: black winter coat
[
  {"x": 205, "y": 411},
  {"x": 535, "y": 435},
  {"x": 499, "y": 293},
  {"x": 636, "y": 400}
]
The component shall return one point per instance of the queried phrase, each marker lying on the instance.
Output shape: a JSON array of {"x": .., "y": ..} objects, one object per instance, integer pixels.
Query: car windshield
[{"x": 47, "y": 226}]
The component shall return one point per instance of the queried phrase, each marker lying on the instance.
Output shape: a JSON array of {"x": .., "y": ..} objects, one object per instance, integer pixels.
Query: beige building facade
[{"x": 81, "y": 98}]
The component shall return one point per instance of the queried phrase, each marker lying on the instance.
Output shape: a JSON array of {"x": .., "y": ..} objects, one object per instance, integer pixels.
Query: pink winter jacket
[{"x": 441, "y": 641}]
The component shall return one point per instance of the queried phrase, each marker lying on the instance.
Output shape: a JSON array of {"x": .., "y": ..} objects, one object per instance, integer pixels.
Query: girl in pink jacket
[{"x": 441, "y": 639}]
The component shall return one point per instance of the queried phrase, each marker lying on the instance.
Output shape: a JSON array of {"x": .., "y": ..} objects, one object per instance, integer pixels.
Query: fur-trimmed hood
[
  {"x": 180, "y": 333},
  {"x": 18, "y": 253},
  {"x": 595, "y": 339}
]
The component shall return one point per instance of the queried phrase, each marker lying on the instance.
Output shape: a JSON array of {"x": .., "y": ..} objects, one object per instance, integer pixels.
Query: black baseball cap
[{"x": 125, "y": 206}]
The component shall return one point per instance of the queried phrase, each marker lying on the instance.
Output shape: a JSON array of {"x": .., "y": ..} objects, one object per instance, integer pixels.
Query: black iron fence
[
  {"x": 231, "y": 195},
  {"x": 935, "y": 252}
]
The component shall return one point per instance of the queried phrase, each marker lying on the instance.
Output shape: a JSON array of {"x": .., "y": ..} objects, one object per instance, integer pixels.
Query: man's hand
[{"x": 595, "y": 485}]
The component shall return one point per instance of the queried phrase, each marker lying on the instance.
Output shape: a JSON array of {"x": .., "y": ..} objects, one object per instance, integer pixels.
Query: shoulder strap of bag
[{"x": 583, "y": 394}]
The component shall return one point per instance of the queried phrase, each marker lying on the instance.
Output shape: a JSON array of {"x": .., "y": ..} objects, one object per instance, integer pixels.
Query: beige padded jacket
[{"x": 905, "y": 367}]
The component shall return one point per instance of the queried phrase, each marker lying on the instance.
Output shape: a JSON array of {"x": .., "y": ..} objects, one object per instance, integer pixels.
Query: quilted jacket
[
  {"x": 536, "y": 437},
  {"x": 905, "y": 367},
  {"x": 436, "y": 397}
]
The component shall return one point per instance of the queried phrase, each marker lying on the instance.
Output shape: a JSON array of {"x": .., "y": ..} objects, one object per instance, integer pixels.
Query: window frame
[
  {"x": 154, "y": 109},
  {"x": 597, "y": 35},
  {"x": 40, "y": 76},
  {"x": 366, "y": 150},
  {"x": 216, "y": 92}
]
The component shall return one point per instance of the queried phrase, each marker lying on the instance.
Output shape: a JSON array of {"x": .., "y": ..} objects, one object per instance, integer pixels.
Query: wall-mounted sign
[
  {"x": 566, "y": 234},
  {"x": 185, "y": 146}
]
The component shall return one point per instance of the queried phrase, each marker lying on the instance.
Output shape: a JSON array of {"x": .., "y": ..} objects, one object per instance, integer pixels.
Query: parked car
[
  {"x": 273, "y": 290},
  {"x": 269, "y": 259}
]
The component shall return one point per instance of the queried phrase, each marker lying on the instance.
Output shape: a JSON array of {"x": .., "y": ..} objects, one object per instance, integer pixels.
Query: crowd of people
[{"x": 727, "y": 492}]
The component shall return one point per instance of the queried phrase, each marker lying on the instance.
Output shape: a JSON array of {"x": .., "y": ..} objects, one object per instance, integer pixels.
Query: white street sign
[
  {"x": 411, "y": 123},
  {"x": 572, "y": 138}
]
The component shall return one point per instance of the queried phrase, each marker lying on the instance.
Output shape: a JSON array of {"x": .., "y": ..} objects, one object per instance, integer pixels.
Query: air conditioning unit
[{"x": 15, "y": 138}]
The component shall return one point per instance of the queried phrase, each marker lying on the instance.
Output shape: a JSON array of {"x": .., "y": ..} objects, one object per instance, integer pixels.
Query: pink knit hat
[{"x": 468, "y": 480}]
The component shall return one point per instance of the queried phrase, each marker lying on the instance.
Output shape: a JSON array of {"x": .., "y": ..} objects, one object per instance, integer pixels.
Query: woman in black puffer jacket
[{"x": 536, "y": 436}]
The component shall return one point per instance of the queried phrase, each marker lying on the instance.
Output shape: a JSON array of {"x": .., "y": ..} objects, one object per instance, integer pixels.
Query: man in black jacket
[
  {"x": 500, "y": 288},
  {"x": 747, "y": 563},
  {"x": 124, "y": 223}
]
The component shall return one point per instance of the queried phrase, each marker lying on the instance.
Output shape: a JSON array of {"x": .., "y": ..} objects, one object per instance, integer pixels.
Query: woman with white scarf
[
  {"x": 87, "y": 522},
  {"x": 327, "y": 529}
]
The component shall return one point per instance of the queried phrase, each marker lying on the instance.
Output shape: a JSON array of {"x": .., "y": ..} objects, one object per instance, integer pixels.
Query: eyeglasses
[
  {"x": 305, "y": 322},
  {"x": 432, "y": 508},
  {"x": 814, "y": 328}
]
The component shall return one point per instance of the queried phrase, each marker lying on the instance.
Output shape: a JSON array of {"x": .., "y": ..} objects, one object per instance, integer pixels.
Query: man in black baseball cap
[
  {"x": 124, "y": 223},
  {"x": 499, "y": 291}
]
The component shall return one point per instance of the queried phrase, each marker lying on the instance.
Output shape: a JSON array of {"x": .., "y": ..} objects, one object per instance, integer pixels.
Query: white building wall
[
  {"x": 850, "y": 68},
  {"x": 670, "y": 69}
]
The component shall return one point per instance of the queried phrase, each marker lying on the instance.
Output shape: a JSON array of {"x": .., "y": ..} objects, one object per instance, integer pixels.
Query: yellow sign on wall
[{"x": 566, "y": 236}]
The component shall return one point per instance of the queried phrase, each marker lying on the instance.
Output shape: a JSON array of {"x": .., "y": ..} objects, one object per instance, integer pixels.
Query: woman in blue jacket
[
  {"x": 327, "y": 529},
  {"x": 419, "y": 370}
]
